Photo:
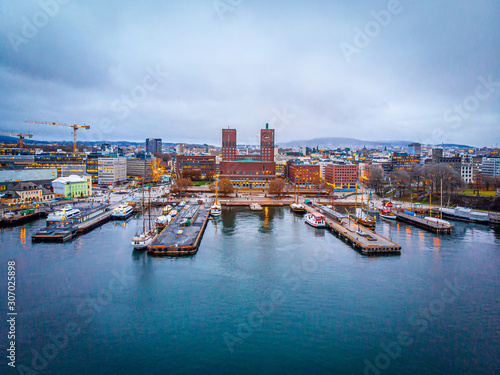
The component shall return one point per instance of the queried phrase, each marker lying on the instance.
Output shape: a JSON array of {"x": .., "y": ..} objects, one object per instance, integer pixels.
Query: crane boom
[
  {"x": 20, "y": 135},
  {"x": 74, "y": 126}
]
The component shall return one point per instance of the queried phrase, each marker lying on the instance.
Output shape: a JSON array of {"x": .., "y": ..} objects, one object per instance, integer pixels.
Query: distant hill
[{"x": 334, "y": 142}]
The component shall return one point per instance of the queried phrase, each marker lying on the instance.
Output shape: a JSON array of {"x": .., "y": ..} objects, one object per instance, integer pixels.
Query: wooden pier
[
  {"x": 423, "y": 223},
  {"x": 360, "y": 238},
  {"x": 178, "y": 238}
]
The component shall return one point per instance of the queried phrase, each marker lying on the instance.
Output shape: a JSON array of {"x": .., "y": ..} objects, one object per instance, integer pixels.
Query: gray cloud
[{"x": 240, "y": 70}]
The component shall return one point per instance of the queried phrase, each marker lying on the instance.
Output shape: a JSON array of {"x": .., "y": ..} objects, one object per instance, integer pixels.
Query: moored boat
[
  {"x": 216, "y": 209},
  {"x": 466, "y": 214},
  {"x": 297, "y": 208},
  {"x": 387, "y": 215},
  {"x": 255, "y": 207},
  {"x": 142, "y": 240},
  {"x": 123, "y": 211},
  {"x": 315, "y": 219}
]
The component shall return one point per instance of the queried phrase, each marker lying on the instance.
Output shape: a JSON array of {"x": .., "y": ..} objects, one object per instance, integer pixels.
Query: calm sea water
[{"x": 266, "y": 294}]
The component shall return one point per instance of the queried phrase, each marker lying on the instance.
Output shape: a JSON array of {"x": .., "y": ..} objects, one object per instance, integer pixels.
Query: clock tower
[{"x": 267, "y": 144}]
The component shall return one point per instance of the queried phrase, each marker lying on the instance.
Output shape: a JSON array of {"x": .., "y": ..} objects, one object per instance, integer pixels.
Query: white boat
[
  {"x": 466, "y": 214},
  {"x": 441, "y": 222},
  {"x": 255, "y": 207},
  {"x": 142, "y": 240},
  {"x": 297, "y": 207},
  {"x": 162, "y": 220},
  {"x": 63, "y": 214},
  {"x": 315, "y": 219},
  {"x": 167, "y": 209},
  {"x": 215, "y": 210},
  {"x": 173, "y": 213},
  {"x": 123, "y": 211}
]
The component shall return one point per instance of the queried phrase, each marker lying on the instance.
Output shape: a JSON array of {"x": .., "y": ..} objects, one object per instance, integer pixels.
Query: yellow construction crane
[
  {"x": 20, "y": 135},
  {"x": 74, "y": 126}
]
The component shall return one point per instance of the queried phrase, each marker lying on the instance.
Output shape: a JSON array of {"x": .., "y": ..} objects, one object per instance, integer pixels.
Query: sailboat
[
  {"x": 361, "y": 217},
  {"x": 142, "y": 240},
  {"x": 216, "y": 209},
  {"x": 296, "y": 206}
]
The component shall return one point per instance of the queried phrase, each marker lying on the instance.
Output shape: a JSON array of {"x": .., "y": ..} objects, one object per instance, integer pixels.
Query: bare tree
[
  {"x": 402, "y": 181},
  {"x": 376, "y": 179},
  {"x": 276, "y": 187}
]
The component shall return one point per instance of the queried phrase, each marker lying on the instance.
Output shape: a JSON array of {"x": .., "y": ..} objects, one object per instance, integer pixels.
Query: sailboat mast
[
  {"x": 441, "y": 199},
  {"x": 430, "y": 203},
  {"x": 149, "y": 208},
  {"x": 143, "y": 187},
  {"x": 356, "y": 201}
]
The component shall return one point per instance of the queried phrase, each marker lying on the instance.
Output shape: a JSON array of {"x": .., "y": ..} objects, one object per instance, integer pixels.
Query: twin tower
[{"x": 229, "y": 145}]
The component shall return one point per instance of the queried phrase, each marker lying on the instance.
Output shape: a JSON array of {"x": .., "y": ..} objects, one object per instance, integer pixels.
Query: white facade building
[{"x": 111, "y": 170}]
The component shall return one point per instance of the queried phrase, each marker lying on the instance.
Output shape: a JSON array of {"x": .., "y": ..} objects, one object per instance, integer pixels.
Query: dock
[
  {"x": 422, "y": 223},
  {"x": 362, "y": 239},
  {"x": 182, "y": 237}
]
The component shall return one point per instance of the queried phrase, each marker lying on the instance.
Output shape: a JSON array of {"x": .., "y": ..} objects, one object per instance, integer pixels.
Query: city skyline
[{"x": 378, "y": 70}]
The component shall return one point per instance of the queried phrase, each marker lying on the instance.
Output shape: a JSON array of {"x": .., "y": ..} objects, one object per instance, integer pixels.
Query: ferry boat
[
  {"x": 142, "y": 240},
  {"x": 63, "y": 214},
  {"x": 315, "y": 219},
  {"x": 466, "y": 214},
  {"x": 387, "y": 215},
  {"x": 297, "y": 208},
  {"x": 123, "y": 211}
]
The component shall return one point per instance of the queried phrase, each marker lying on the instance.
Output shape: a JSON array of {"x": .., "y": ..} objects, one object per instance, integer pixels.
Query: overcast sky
[{"x": 180, "y": 70}]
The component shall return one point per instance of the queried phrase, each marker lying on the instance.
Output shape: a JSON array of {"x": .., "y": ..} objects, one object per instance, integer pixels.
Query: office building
[
  {"x": 304, "y": 175},
  {"x": 111, "y": 170},
  {"x": 153, "y": 145},
  {"x": 341, "y": 176},
  {"x": 203, "y": 165}
]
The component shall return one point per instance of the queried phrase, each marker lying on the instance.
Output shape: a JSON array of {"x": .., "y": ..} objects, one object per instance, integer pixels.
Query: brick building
[
  {"x": 304, "y": 175},
  {"x": 248, "y": 173},
  {"x": 205, "y": 164},
  {"x": 341, "y": 176}
]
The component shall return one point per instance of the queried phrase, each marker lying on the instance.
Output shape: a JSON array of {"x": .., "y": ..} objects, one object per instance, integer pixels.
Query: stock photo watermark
[
  {"x": 128, "y": 102},
  {"x": 462, "y": 111},
  {"x": 245, "y": 327},
  {"x": 372, "y": 29},
  {"x": 419, "y": 322},
  {"x": 221, "y": 7},
  {"x": 85, "y": 313},
  {"x": 32, "y": 25}
]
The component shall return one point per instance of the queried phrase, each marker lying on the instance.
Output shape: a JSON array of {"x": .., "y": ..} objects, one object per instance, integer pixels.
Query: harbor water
[{"x": 265, "y": 294}]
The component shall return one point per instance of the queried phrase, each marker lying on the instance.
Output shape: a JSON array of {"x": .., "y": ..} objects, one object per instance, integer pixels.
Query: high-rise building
[
  {"x": 112, "y": 170},
  {"x": 153, "y": 145},
  {"x": 228, "y": 144},
  {"x": 267, "y": 144},
  {"x": 491, "y": 166},
  {"x": 415, "y": 149}
]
